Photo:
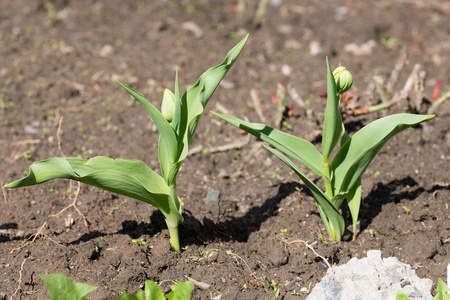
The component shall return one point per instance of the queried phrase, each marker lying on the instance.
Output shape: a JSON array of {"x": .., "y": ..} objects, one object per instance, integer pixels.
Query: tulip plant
[
  {"x": 176, "y": 124},
  {"x": 342, "y": 174}
]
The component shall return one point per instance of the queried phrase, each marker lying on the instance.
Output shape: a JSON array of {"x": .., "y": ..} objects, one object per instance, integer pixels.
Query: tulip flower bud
[
  {"x": 168, "y": 105},
  {"x": 343, "y": 78}
]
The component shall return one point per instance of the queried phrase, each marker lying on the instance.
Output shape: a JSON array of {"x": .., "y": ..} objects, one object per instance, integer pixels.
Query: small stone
[
  {"x": 315, "y": 48},
  {"x": 106, "y": 50},
  {"x": 212, "y": 196},
  {"x": 30, "y": 129},
  {"x": 286, "y": 70}
]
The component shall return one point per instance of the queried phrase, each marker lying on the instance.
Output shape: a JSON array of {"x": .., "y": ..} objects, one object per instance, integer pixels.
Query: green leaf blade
[
  {"x": 328, "y": 211},
  {"x": 60, "y": 287},
  {"x": 442, "y": 291},
  {"x": 195, "y": 99},
  {"x": 332, "y": 124},
  {"x": 130, "y": 178},
  {"x": 354, "y": 203},
  {"x": 356, "y": 154},
  {"x": 165, "y": 129},
  {"x": 401, "y": 295},
  {"x": 299, "y": 149},
  {"x": 181, "y": 291},
  {"x": 153, "y": 291}
]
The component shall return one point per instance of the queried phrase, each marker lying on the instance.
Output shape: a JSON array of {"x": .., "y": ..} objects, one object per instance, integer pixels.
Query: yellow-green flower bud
[
  {"x": 168, "y": 105},
  {"x": 343, "y": 78}
]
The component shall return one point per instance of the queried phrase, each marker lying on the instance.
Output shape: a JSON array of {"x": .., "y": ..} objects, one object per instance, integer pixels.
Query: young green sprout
[
  {"x": 176, "y": 124},
  {"x": 342, "y": 173}
]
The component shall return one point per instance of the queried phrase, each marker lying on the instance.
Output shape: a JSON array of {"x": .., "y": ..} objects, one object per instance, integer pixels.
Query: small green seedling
[
  {"x": 180, "y": 291},
  {"x": 342, "y": 174},
  {"x": 59, "y": 287},
  {"x": 407, "y": 210},
  {"x": 176, "y": 124}
]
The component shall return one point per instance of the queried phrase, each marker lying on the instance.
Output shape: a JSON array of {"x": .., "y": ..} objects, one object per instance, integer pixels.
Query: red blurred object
[
  {"x": 322, "y": 94},
  {"x": 437, "y": 87},
  {"x": 346, "y": 98},
  {"x": 233, "y": 7},
  {"x": 274, "y": 99},
  {"x": 291, "y": 110},
  {"x": 359, "y": 111}
]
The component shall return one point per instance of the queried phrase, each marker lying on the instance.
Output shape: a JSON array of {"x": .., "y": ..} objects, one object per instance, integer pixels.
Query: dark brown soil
[{"x": 61, "y": 59}]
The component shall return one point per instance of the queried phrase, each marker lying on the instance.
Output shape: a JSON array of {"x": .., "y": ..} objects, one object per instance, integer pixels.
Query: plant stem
[
  {"x": 174, "y": 240},
  {"x": 327, "y": 177},
  {"x": 438, "y": 102},
  {"x": 172, "y": 225}
]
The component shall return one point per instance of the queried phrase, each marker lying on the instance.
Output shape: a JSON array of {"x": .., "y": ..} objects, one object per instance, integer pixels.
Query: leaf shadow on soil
[
  {"x": 394, "y": 191},
  {"x": 194, "y": 231},
  {"x": 199, "y": 232}
]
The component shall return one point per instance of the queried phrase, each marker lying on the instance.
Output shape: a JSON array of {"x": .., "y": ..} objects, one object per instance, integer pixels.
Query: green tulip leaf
[
  {"x": 130, "y": 178},
  {"x": 332, "y": 125},
  {"x": 354, "y": 203},
  {"x": 168, "y": 135},
  {"x": 328, "y": 211},
  {"x": 356, "y": 154},
  {"x": 299, "y": 149},
  {"x": 194, "y": 100}
]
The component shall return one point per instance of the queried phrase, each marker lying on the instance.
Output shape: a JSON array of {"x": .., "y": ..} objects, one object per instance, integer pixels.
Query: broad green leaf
[
  {"x": 330, "y": 214},
  {"x": 60, "y": 287},
  {"x": 163, "y": 159},
  {"x": 153, "y": 291},
  {"x": 442, "y": 291},
  {"x": 139, "y": 296},
  {"x": 181, "y": 291},
  {"x": 299, "y": 149},
  {"x": 401, "y": 295},
  {"x": 354, "y": 203},
  {"x": 165, "y": 129},
  {"x": 332, "y": 124},
  {"x": 130, "y": 178},
  {"x": 345, "y": 137},
  {"x": 177, "y": 115},
  {"x": 194, "y": 100},
  {"x": 356, "y": 154}
]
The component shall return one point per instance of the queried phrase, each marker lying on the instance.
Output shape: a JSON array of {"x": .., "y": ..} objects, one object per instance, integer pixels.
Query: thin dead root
[
  {"x": 288, "y": 242},
  {"x": 42, "y": 228},
  {"x": 4, "y": 193},
  {"x": 20, "y": 278},
  {"x": 58, "y": 136},
  {"x": 73, "y": 204},
  {"x": 236, "y": 256}
]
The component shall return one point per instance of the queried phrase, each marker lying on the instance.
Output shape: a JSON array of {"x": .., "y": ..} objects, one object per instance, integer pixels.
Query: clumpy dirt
[{"x": 61, "y": 59}]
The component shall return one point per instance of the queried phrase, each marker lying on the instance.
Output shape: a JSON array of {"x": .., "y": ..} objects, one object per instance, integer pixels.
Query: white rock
[{"x": 370, "y": 278}]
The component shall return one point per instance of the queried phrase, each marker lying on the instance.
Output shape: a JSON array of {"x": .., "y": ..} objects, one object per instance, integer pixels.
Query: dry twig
[
  {"x": 4, "y": 193},
  {"x": 288, "y": 242},
  {"x": 393, "y": 79},
  {"x": 20, "y": 279},
  {"x": 236, "y": 256},
  {"x": 222, "y": 148},
  {"x": 256, "y": 103},
  {"x": 73, "y": 204}
]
